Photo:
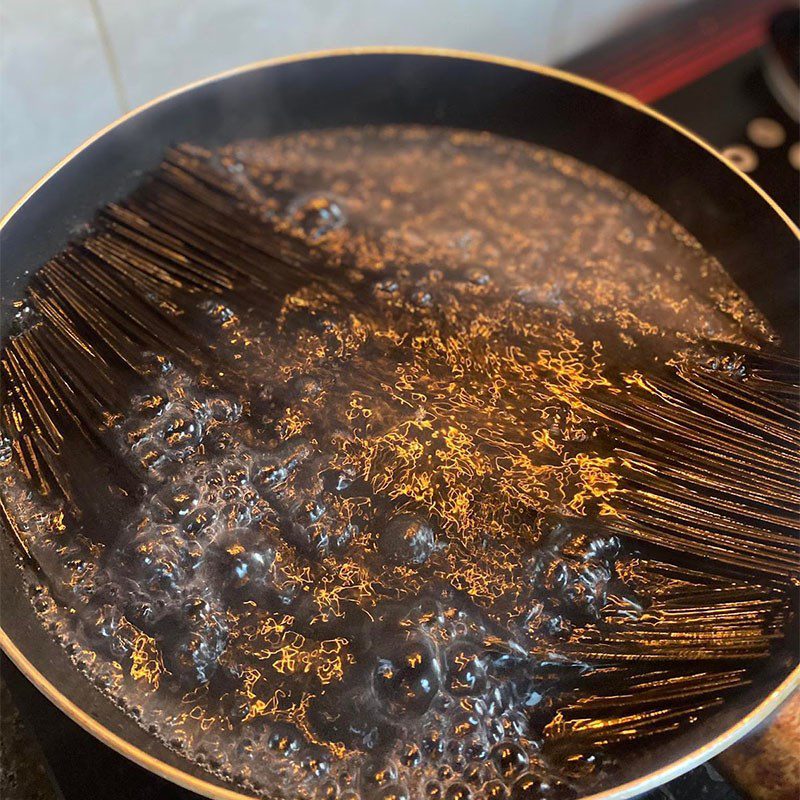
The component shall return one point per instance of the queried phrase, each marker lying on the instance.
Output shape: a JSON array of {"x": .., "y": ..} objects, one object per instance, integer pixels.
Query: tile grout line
[{"x": 111, "y": 56}]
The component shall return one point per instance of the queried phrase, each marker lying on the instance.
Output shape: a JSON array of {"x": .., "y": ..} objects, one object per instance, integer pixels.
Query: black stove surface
[
  {"x": 702, "y": 66},
  {"x": 707, "y": 67}
]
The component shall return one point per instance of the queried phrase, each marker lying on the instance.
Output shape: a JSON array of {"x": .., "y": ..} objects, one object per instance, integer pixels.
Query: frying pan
[{"x": 732, "y": 218}]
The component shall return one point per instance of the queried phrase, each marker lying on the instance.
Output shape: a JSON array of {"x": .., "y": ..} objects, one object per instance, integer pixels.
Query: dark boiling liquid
[{"x": 363, "y": 537}]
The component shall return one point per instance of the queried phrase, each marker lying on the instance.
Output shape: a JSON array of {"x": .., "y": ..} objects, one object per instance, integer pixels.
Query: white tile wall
[
  {"x": 157, "y": 40},
  {"x": 55, "y": 88},
  {"x": 67, "y": 67}
]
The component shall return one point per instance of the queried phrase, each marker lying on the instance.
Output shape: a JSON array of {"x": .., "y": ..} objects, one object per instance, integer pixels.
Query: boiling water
[{"x": 362, "y": 538}]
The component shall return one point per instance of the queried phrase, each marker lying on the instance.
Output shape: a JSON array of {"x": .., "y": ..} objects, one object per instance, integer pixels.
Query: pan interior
[{"x": 384, "y": 514}]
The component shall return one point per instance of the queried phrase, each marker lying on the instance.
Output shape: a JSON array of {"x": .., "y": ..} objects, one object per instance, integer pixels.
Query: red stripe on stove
[
  {"x": 688, "y": 35},
  {"x": 668, "y": 76}
]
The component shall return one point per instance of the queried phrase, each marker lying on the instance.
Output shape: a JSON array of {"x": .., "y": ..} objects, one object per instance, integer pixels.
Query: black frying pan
[{"x": 731, "y": 217}]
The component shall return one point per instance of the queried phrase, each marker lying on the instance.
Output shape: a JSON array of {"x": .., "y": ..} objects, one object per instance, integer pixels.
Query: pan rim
[{"x": 215, "y": 791}]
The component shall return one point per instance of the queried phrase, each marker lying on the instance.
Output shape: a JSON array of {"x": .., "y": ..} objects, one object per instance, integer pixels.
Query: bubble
[
  {"x": 235, "y": 474},
  {"x": 149, "y": 406},
  {"x": 236, "y": 514},
  {"x": 479, "y": 277},
  {"x": 272, "y": 470},
  {"x": 433, "y": 790},
  {"x": 328, "y": 791},
  {"x": 588, "y": 595},
  {"x": 230, "y": 492},
  {"x": 458, "y": 791},
  {"x": 386, "y": 288},
  {"x": 304, "y": 386},
  {"x": 317, "y": 214},
  {"x": 475, "y": 773},
  {"x": 586, "y": 547},
  {"x": 573, "y": 573},
  {"x": 734, "y": 366},
  {"x": 509, "y": 759},
  {"x": 244, "y": 563},
  {"x": 445, "y": 772},
  {"x": 466, "y": 671},
  {"x": 260, "y": 510},
  {"x": 148, "y": 453},
  {"x": 236, "y": 706},
  {"x": 433, "y": 744},
  {"x": 494, "y": 790},
  {"x": 25, "y": 314},
  {"x": 475, "y": 750},
  {"x": 349, "y": 718},
  {"x": 181, "y": 430},
  {"x": 174, "y": 502},
  {"x": 394, "y": 791},
  {"x": 422, "y": 298},
  {"x": 6, "y": 451},
  {"x": 223, "y": 409},
  {"x": 196, "y": 609},
  {"x": 462, "y": 725},
  {"x": 159, "y": 563},
  {"x": 532, "y": 786},
  {"x": 528, "y": 787},
  {"x": 107, "y": 620},
  {"x": 556, "y": 626},
  {"x": 411, "y": 755},
  {"x": 218, "y": 442},
  {"x": 406, "y": 539},
  {"x": 315, "y": 765},
  {"x": 284, "y": 739},
  {"x": 196, "y": 641},
  {"x": 378, "y": 774},
  {"x": 406, "y": 677},
  {"x": 215, "y": 478},
  {"x": 199, "y": 520},
  {"x": 458, "y": 764}
]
